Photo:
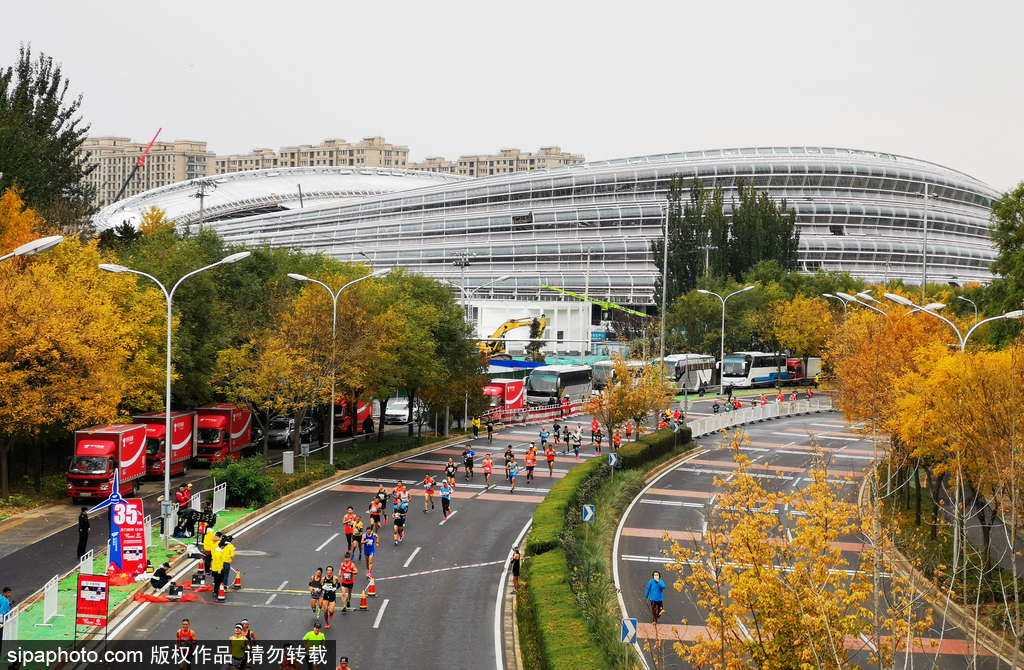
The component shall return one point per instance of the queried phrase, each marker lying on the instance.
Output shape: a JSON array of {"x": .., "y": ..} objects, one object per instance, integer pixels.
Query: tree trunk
[
  {"x": 297, "y": 417},
  {"x": 266, "y": 434},
  {"x": 380, "y": 424},
  {"x": 917, "y": 503},
  {"x": 412, "y": 401},
  {"x": 935, "y": 488},
  {"x": 5, "y": 486},
  {"x": 37, "y": 464},
  {"x": 986, "y": 535},
  {"x": 905, "y": 476}
]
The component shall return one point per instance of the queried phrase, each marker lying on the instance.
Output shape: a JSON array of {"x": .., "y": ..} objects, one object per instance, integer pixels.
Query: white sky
[{"x": 941, "y": 81}]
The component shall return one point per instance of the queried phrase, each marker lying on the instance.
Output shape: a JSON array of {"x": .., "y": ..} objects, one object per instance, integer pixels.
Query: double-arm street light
[
  {"x": 1015, "y": 314},
  {"x": 334, "y": 337},
  {"x": 169, "y": 296},
  {"x": 35, "y": 247},
  {"x": 836, "y": 297},
  {"x": 863, "y": 298},
  {"x": 467, "y": 295},
  {"x": 960, "y": 297},
  {"x": 721, "y": 359}
]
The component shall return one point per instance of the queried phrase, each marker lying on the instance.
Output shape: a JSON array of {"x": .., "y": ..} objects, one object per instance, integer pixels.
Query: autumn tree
[{"x": 612, "y": 407}]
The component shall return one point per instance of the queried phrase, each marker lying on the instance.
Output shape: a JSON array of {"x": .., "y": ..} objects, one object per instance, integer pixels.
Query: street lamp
[
  {"x": 169, "y": 296},
  {"x": 35, "y": 247},
  {"x": 334, "y": 337},
  {"x": 960, "y": 297},
  {"x": 721, "y": 359},
  {"x": 835, "y": 297},
  {"x": 468, "y": 295},
  {"x": 1015, "y": 314}
]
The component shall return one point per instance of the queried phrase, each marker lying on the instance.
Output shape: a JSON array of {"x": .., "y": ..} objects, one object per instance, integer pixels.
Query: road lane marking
[
  {"x": 409, "y": 560},
  {"x": 437, "y": 570},
  {"x": 328, "y": 541},
  {"x": 447, "y": 517},
  {"x": 499, "y": 609},
  {"x": 270, "y": 599},
  {"x": 380, "y": 614},
  {"x": 283, "y": 584}
]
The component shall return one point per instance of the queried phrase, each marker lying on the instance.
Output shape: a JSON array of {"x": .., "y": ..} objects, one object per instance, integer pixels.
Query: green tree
[
  {"x": 536, "y": 332},
  {"x": 1007, "y": 292},
  {"x": 40, "y": 136},
  {"x": 761, "y": 229}
]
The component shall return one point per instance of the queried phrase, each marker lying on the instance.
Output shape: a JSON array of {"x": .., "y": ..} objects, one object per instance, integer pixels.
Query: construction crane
[
  {"x": 494, "y": 347},
  {"x": 139, "y": 163}
]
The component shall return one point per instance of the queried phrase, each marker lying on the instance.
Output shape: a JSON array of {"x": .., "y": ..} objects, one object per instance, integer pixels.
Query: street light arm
[
  {"x": 493, "y": 281},
  {"x": 1009, "y": 315},
  {"x": 194, "y": 272},
  {"x": 148, "y": 276}
]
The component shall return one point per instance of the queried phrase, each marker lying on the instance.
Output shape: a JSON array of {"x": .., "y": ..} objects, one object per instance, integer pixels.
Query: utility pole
[{"x": 202, "y": 199}]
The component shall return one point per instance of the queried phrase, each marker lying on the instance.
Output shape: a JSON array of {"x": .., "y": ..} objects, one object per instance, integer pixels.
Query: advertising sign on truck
[
  {"x": 506, "y": 397},
  {"x": 99, "y": 452},
  {"x": 225, "y": 432},
  {"x": 184, "y": 429}
]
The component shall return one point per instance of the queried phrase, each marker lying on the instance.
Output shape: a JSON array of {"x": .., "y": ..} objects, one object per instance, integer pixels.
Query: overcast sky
[{"x": 940, "y": 81}]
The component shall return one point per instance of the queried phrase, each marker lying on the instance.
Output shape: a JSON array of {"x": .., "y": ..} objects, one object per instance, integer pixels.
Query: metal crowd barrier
[{"x": 723, "y": 420}]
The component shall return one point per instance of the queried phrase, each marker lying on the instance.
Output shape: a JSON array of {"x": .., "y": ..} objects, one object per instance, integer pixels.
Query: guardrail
[
  {"x": 713, "y": 424},
  {"x": 532, "y": 414}
]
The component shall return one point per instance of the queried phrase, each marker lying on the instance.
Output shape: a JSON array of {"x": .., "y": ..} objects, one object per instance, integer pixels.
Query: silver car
[{"x": 398, "y": 411}]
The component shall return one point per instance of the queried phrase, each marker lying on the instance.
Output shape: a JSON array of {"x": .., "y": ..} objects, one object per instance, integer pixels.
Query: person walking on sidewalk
[
  {"x": 83, "y": 531},
  {"x": 516, "y": 560},
  {"x": 655, "y": 594}
]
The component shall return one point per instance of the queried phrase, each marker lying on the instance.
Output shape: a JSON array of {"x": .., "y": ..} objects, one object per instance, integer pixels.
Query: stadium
[{"x": 587, "y": 229}]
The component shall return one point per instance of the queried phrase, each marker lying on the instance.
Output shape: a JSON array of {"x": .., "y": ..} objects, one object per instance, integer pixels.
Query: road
[
  {"x": 420, "y": 618},
  {"x": 676, "y": 503}
]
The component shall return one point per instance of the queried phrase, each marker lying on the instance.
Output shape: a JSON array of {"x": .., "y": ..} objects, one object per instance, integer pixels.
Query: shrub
[
  {"x": 371, "y": 450},
  {"x": 305, "y": 474},
  {"x": 249, "y": 484}
]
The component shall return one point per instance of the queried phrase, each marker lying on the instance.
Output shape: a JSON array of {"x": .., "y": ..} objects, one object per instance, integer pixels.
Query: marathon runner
[
  {"x": 374, "y": 515},
  {"x": 238, "y": 645},
  {"x": 597, "y": 443},
  {"x": 446, "y": 499},
  {"x": 594, "y": 427},
  {"x": 617, "y": 440},
  {"x": 330, "y": 587},
  {"x": 370, "y": 543},
  {"x": 490, "y": 428},
  {"x": 543, "y": 437},
  {"x": 316, "y": 591},
  {"x": 349, "y": 519},
  {"x": 357, "y": 538},
  {"x": 509, "y": 457},
  {"x": 556, "y": 433},
  {"x": 531, "y": 462},
  {"x": 488, "y": 465},
  {"x": 382, "y": 495},
  {"x": 400, "y": 511},
  {"x": 467, "y": 458},
  {"x": 550, "y": 453},
  {"x": 250, "y": 637},
  {"x": 577, "y": 441},
  {"x": 428, "y": 491},
  {"x": 565, "y": 438},
  {"x": 348, "y": 572},
  {"x": 629, "y": 429},
  {"x": 186, "y": 638},
  {"x": 313, "y": 640},
  {"x": 450, "y": 470},
  {"x": 513, "y": 470}
]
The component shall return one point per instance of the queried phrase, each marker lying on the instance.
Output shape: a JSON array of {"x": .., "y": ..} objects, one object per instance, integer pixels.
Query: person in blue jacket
[{"x": 655, "y": 593}]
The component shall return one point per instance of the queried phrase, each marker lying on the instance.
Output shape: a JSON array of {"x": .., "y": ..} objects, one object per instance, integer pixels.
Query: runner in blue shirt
[
  {"x": 543, "y": 437},
  {"x": 513, "y": 470},
  {"x": 467, "y": 459},
  {"x": 446, "y": 499}
]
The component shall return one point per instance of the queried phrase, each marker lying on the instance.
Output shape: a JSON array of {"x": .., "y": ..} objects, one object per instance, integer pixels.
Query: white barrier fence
[
  {"x": 50, "y": 595},
  {"x": 10, "y": 621},
  {"x": 195, "y": 502},
  {"x": 220, "y": 497},
  {"x": 85, "y": 563},
  {"x": 713, "y": 424},
  {"x": 147, "y": 524}
]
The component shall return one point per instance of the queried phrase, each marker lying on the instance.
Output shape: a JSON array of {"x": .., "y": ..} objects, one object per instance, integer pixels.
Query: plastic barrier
[
  {"x": 50, "y": 594},
  {"x": 85, "y": 565},
  {"x": 773, "y": 410},
  {"x": 220, "y": 495}
]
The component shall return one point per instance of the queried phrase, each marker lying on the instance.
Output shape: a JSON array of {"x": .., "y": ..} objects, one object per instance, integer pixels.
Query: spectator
[
  {"x": 655, "y": 593},
  {"x": 160, "y": 577},
  {"x": 6, "y": 601},
  {"x": 83, "y": 532}
]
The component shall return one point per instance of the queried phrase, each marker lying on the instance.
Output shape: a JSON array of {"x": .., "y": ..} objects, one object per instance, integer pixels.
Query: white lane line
[
  {"x": 283, "y": 584},
  {"x": 447, "y": 517},
  {"x": 672, "y": 503},
  {"x": 327, "y": 541},
  {"x": 380, "y": 614},
  {"x": 412, "y": 556},
  {"x": 270, "y": 599},
  {"x": 499, "y": 608}
]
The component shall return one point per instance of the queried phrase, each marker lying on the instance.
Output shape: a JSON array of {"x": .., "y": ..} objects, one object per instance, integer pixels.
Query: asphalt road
[
  {"x": 677, "y": 503},
  {"x": 421, "y": 619}
]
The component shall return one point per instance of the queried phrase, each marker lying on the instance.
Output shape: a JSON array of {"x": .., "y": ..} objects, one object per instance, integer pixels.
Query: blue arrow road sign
[
  {"x": 613, "y": 460},
  {"x": 676, "y": 427},
  {"x": 629, "y": 631},
  {"x": 588, "y": 513}
]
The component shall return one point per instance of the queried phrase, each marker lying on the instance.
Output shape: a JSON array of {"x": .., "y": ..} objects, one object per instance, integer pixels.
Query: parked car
[
  {"x": 282, "y": 430},
  {"x": 398, "y": 411}
]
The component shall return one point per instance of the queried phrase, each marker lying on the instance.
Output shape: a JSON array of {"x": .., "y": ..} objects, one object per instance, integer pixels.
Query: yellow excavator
[{"x": 494, "y": 348}]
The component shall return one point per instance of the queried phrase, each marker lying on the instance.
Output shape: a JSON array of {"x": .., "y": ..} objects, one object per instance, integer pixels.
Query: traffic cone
[
  {"x": 371, "y": 590},
  {"x": 221, "y": 595},
  {"x": 238, "y": 580},
  {"x": 362, "y": 603}
]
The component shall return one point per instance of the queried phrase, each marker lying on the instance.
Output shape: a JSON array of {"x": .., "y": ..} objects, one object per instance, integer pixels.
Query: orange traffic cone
[
  {"x": 221, "y": 595},
  {"x": 371, "y": 590},
  {"x": 238, "y": 580},
  {"x": 362, "y": 603}
]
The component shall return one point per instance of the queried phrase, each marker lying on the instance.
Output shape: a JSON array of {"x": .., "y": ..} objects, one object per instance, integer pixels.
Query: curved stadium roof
[{"x": 859, "y": 211}]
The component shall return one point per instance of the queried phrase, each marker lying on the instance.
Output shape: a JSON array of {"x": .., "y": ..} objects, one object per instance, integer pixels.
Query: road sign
[
  {"x": 676, "y": 426},
  {"x": 613, "y": 460},
  {"x": 588, "y": 513},
  {"x": 628, "y": 631}
]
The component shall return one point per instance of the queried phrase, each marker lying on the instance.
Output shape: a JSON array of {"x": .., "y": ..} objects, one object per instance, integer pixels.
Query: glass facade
[{"x": 858, "y": 211}]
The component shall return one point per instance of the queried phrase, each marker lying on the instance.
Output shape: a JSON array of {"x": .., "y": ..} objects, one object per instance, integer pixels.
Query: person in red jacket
[
  {"x": 550, "y": 454},
  {"x": 594, "y": 427},
  {"x": 617, "y": 439}
]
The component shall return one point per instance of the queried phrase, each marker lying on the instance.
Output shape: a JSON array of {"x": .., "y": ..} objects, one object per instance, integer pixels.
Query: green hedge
[{"x": 561, "y": 629}]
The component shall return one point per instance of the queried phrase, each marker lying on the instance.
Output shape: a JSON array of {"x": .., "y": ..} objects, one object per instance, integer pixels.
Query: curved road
[
  {"x": 424, "y": 619},
  {"x": 677, "y": 500}
]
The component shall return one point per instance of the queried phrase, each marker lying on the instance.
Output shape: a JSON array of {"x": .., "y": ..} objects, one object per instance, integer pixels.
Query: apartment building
[
  {"x": 434, "y": 164},
  {"x": 167, "y": 163},
  {"x": 370, "y": 152},
  {"x": 514, "y": 160}
]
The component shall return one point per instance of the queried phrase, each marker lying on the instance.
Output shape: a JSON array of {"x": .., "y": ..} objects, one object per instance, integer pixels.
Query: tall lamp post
[
  {"x": 35, "y": 246},
  {"x": 960, "y": 297},
  {"x": 169, "y": 296},
  {"x": 1015, "y": 314},
  {"x": 468, "y": 295},
  {"x": 334, "y": 337},
  {"x": 721, "y": 359},
  {"x": 835, "y": 297}
]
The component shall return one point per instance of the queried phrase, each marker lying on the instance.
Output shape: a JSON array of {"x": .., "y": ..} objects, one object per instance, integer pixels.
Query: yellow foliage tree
[
  {"x": 801, "y": 325},
  {"x": 18, "y": 224},
  {"x": 613, "y": 406},
  {"x": 153, "y": 221}
]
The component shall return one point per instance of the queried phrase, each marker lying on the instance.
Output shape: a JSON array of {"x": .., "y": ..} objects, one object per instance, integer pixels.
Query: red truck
[
  {"x": 183, "y": 444},
  {"x": 225, "y": 431},
  {"x": 506, "y": 397},
  {"x": 101, "y": 449},
  {"x": 343, "y": 417}
]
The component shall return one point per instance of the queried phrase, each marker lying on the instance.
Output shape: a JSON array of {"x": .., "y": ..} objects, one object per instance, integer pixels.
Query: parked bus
[
  {"x": 691, "y": 372},
  {"x": 604, "y": 372},
  {"x": 749, "y": 369},
  {"x": 548, "y": 384}
]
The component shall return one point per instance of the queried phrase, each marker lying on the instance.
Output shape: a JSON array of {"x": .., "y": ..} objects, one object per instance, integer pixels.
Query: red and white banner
[
  {"x": 129, "y": 529},
  {"x": 91, "y": 606}
]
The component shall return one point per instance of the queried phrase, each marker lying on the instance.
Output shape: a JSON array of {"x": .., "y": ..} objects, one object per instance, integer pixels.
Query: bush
[
  {"x": 369, "y": 451},
  {"x": 311, "y": 472},
  {"x": 549, "y": 517},
  {"x": 249, "y": 484}
]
